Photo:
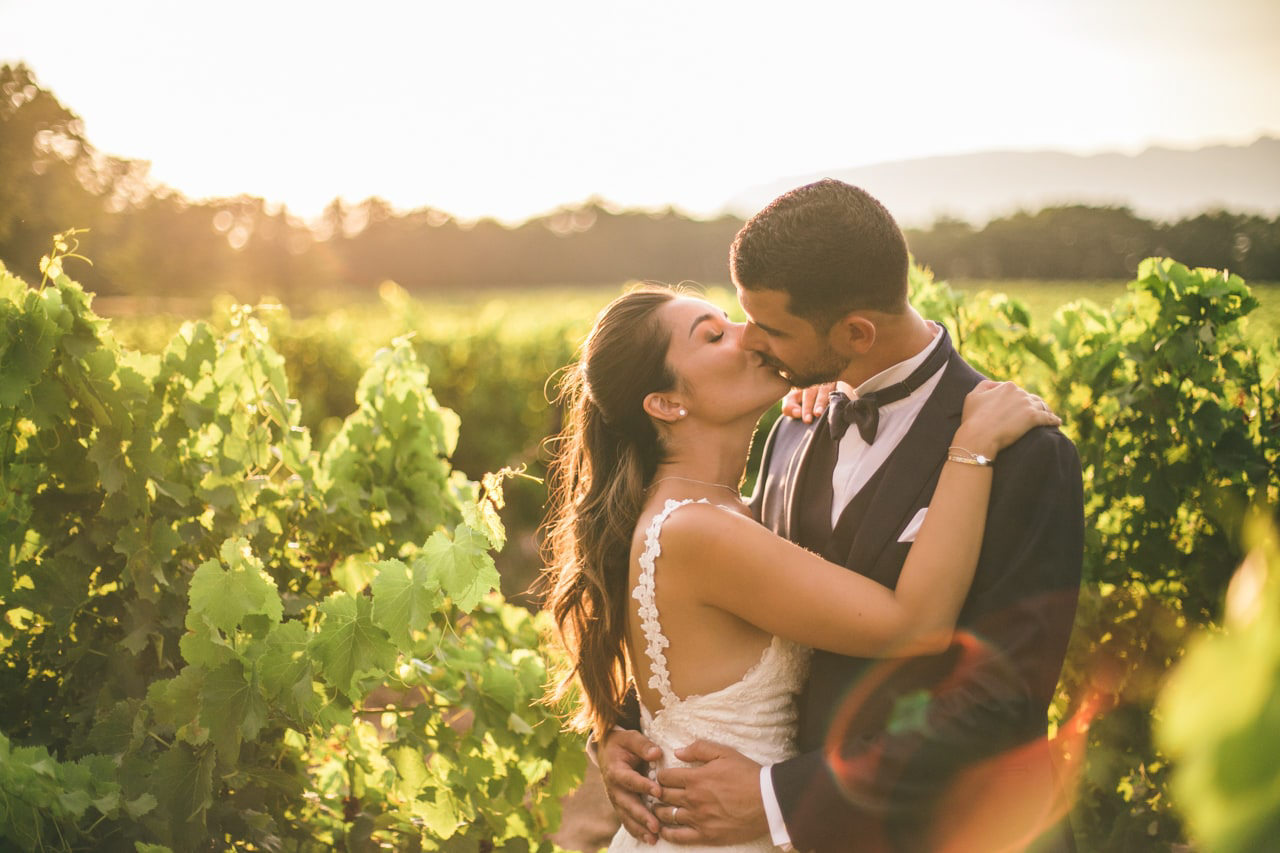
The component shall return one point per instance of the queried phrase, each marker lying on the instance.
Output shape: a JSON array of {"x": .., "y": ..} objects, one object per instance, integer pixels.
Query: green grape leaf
[
  {"x": 232, "y": 709},
  {"x": 349, "y": 643},
  {"x": 143, "y": 847},
  {"x": 114, "y": 732},
  {"x": 285, "y": 669},
  {"x": 139, "y": 806},
  {"x": 108, "y": 802},
  {"x": 204, "y": 645},
  {"x": 74, "y": 802},
  {"x": 224, "y": 597},
  {"x": 499, "y": 682},
  {"x": 404, "y": 597},
  {"x": 440, "y": 818},
  {"x": 183, "y": 782},
  {"x": 353, "y": 574},
  {"x": 175, "y": 704},
  {"x": 411, "y": 771},
  {"x": 482, "y": 515},
  {"x": 462, "y": 566},
  {"x": 566, "y": 770},
  {"x": 12, "y": 389},
  {"x": 107, "y": 453},
  {"x": 517, "y": 724}
]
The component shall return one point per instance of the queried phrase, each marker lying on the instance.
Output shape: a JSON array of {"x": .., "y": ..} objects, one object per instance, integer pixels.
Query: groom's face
[{"x": 801, "y": 353}]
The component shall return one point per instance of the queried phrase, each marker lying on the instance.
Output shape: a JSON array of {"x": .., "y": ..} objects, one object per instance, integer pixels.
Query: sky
[{"x": 510, "y": 109}]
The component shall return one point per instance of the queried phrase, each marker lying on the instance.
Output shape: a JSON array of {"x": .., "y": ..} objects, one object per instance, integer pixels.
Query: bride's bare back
[{"x": 710, "y": 648}]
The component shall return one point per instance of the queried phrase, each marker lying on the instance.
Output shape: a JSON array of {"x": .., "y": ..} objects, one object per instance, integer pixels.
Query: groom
[{"x": 945, "y": 752}]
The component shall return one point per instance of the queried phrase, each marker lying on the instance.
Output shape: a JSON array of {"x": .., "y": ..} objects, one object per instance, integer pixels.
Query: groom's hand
[
  {"x": 717, "y": 802},
  {"x": 624, "y": 758}
]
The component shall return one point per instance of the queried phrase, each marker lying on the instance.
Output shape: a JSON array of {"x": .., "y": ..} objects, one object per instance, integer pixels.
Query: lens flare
[{"x": 993, "y": 803}]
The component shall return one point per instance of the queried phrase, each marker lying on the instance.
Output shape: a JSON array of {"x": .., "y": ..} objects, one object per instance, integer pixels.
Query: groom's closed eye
[{"x": 770, "y": 331}]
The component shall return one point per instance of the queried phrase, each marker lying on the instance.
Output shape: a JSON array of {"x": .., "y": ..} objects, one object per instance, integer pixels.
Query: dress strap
[{"x": 654, "y": 639}]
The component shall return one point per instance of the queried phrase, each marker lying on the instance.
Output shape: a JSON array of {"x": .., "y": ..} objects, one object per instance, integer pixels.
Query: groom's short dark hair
[{"x": 830, "y": 246}]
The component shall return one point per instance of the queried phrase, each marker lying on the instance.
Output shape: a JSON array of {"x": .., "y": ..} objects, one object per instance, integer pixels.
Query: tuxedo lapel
[
  {"x": 912, "y": 468},
  {"x": 796, "y": 470},
  {"x": 785, "y": 450}
]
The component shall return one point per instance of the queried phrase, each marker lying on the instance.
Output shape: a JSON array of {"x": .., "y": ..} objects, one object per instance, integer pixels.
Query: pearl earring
[{"x": 683, "y": 413}]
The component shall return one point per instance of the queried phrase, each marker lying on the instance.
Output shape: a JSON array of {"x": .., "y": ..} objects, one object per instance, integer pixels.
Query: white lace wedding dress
[{"x": 755, "y": 715}]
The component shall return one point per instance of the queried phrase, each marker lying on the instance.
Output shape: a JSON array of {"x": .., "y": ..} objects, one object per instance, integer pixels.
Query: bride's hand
[
  {"x": 807, "y": 403},
  {"x": 996, "y": 414}
]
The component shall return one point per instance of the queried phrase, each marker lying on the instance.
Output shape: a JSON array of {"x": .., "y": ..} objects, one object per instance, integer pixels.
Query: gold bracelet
[{"x": 968, "y": 457}]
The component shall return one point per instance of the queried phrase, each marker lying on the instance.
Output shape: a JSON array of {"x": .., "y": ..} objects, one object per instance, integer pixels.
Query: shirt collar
[{"x": 894, "y": 373}]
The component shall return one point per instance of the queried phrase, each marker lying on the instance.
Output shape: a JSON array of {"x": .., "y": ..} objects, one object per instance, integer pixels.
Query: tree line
[
  {"x": 1081, "y": 242},
  {"x": 148, "y": 239}
]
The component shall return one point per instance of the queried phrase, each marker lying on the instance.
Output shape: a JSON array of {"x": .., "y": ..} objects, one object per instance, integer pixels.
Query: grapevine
[{"x": 217, "y": 637}]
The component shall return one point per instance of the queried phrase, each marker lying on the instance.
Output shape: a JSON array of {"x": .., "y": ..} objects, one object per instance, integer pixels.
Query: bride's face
[{"x": 717, "y": 379}]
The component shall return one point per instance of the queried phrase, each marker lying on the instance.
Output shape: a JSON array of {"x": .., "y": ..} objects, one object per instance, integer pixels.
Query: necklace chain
[{"x": 736, "y": 493}]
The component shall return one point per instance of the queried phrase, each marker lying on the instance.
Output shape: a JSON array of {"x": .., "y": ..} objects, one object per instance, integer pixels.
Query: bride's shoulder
[{"x": 692, "y": 529}]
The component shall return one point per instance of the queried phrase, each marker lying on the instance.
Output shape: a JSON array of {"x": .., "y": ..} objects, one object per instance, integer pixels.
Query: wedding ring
[{"x": 675, "y": 815}]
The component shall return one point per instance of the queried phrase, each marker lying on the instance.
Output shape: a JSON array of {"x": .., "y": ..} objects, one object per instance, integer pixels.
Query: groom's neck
[{"x": 898, "y": 338}]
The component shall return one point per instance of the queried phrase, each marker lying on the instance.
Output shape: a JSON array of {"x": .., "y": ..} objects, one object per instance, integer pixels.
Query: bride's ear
[{"x": 663, "y": 408}]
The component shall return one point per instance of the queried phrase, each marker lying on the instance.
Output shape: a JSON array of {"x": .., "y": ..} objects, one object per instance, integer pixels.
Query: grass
[
  {"x": 1045, "y": 297},
  {"x": 575, "y": 307},
  {"x": 1041, "y": 297}
]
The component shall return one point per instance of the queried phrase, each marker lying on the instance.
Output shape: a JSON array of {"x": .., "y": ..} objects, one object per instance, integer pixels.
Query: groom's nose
[{"x": 751, "y": 338}]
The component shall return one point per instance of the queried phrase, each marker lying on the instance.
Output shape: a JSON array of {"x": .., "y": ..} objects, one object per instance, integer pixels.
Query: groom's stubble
[{"x": 828, "y": 367}]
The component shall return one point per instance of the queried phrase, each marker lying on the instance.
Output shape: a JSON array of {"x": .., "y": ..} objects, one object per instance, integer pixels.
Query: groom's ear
[
  {"x": 663, "y": 407},
  {"x": 852, "y": 334}
]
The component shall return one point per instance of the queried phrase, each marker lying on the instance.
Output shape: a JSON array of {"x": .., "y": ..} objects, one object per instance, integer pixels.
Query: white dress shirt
[{"x": 856, "y": 462}]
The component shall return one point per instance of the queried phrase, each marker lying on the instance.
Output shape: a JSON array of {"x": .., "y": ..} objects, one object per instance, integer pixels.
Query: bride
[{"x": 659, "y": 575}]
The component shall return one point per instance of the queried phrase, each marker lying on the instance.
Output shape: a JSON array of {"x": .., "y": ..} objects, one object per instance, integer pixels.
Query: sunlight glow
[{"x": 509, "y": 110}]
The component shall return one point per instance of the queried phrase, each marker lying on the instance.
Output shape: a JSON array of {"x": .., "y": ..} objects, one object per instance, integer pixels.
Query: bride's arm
[{"x": 784, "y": 589}]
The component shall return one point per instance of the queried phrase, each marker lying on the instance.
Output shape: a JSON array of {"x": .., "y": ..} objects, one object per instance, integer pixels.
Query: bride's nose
[{"x": 737, "y": 330}]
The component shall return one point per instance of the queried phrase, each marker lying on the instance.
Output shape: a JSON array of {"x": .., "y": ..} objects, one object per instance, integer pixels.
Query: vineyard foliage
[
  {"x": 1228, "y": 752},
  {"x": 236, "y": 617},
  {"x": 1173, "y": 408},
  {"x": 1176, "y": 414},
  {"x": 217, "y": 636},
  {"x": 1169, "y": 393}
]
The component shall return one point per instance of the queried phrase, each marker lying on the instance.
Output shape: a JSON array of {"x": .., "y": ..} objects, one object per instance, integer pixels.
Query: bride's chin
[
  {"x": 777, "y": 381},
  {"x": 764, "y": 386},
  {"x": 772, "y": 390}
]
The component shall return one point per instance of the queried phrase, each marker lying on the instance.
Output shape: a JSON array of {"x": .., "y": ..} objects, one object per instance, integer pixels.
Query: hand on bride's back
[{"x": 996, "y": 414}]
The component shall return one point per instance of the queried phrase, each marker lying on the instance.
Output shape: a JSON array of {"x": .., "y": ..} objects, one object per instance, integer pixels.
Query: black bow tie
[{"x": 865, "y": 411}]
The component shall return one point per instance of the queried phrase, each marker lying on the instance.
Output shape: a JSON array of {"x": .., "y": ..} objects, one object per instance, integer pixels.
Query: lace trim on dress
[{"x": 654, "y": 639}]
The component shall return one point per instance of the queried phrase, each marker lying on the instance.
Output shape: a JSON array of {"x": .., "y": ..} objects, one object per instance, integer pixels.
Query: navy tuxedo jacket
[{"x": 943, "y": 751}]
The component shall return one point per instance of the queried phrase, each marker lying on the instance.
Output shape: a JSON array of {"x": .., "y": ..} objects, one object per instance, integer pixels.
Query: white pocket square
[{"x": 913, "y": 527}]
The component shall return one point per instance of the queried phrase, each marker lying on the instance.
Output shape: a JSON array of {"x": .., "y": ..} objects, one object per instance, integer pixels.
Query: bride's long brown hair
[{"x": 603, "y": 460}]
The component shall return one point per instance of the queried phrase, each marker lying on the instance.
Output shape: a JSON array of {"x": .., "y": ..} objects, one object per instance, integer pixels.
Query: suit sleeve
[
  {"x": 630, "y": 711},
  {"x": 989, "y": 693}
]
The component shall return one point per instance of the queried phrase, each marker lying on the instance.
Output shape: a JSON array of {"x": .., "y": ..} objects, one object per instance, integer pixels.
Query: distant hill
[{"x": 1159, "y": 183}]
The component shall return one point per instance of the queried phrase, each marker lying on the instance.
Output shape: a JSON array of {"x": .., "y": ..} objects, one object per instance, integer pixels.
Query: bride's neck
[{"x": 714, "y": 454}]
